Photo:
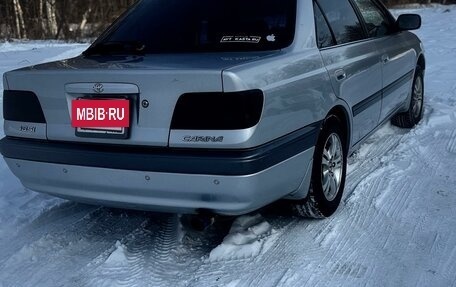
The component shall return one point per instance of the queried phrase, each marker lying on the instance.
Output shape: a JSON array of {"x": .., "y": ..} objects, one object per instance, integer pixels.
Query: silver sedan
[{"x": 216, "y": 106}]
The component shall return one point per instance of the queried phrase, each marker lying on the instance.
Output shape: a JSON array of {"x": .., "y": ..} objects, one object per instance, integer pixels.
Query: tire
[
  {"x": 414, "y": 114},
  {"x": 330, "y": 166}
]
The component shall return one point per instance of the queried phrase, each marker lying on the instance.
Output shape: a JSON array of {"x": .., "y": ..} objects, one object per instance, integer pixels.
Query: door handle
[
  {"x": 385, "y": 59},
  {"x": 340, "y": 75}
]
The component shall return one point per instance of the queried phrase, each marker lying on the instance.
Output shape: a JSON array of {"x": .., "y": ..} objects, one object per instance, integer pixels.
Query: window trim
[
  {"x": 360, "y": 18},
  {"x": 327, "y": 24},
  {"x": 387, "y": 12},
  {"x": 349, "y": 43}
]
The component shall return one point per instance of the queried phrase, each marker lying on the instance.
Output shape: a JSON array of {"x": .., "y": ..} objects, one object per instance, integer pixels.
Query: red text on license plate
[{"x": 100, "y": 113}]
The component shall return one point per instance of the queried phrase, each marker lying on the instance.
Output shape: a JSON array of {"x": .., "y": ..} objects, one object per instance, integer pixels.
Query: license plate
[{"x": 101, "y": 118}]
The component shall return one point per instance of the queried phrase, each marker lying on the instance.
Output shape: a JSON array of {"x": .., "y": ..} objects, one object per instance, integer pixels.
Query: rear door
[
  {"x": 352, "y": 62},
  {"x": 397, "y": 59}
]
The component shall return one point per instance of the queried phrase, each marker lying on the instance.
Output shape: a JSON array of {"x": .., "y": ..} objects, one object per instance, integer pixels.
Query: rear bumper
[{"x": 168, "y": 180}]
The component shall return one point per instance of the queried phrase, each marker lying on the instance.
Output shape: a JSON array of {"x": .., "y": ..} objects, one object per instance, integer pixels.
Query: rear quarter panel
[{"x": 297, "y": 91}]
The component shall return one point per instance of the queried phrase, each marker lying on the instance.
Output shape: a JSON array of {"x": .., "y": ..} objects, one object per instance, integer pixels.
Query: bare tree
[
  {"x": 51, "y": 17},
  {"x": 85, "y": 18},
  {"x": 20, "y": 24},
  {"x": 41, "y": 18}
]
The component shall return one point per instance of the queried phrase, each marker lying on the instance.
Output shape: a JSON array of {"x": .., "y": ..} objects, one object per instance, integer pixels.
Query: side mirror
[{"x": 407, "y": 22}]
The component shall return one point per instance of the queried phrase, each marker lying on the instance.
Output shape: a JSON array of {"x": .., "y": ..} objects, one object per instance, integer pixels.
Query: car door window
[
  {"x": 377, "y": 24},
  {"x": 324, "y": 35},
  {"x": 343, "y": 20}
]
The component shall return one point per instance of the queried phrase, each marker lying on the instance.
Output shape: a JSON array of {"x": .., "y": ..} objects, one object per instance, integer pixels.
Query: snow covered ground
[{"x": 396, "y": 225}]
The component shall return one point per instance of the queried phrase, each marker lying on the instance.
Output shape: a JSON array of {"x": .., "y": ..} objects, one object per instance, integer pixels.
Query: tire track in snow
[
  {"x": 54, "y": 220},
  {"x": 398, "y": 205},
  {"x": 364, "y": 165},
  {"x": 358, "y": 219},
  {"x": 435, "y": 240},
  {"x": 399, "y": 194},
  {"x": 341, "y": 258},
  {"x": 369, "y": 214},
  {"x": 452, "y": 143},
  {"x": 151, "y": 258},
  {"x": 84, "y": 239},
  {"x": 377, "y": 221},
  {"x": 449, "y": 268}
]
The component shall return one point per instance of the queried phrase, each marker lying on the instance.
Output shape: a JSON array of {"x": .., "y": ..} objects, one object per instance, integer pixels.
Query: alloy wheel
[{"x": 332, "y": 166}]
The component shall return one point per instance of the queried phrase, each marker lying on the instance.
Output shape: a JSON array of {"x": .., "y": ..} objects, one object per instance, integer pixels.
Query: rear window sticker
[
  {"x": 271, "y": 38},
  {"x": 241, "y": 39}
]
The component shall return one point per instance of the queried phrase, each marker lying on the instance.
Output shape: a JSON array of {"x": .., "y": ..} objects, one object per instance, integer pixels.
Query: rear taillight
[
  {"x": 22, "y": 106},
  {"x": 218, "y": 111}
]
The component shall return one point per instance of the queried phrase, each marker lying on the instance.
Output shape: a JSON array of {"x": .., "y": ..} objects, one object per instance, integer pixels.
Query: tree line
[
  {"x": 58, "y": 19},
  {"x": 77, "y": 19}
]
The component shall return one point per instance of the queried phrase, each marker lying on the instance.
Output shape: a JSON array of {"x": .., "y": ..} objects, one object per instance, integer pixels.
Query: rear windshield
[{"x": 175, "y": 26}]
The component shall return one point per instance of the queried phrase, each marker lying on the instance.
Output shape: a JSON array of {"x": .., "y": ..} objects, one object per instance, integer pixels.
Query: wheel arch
[
  {"x": 341, "y": 112},
  {"x": 422, "y": 62}
]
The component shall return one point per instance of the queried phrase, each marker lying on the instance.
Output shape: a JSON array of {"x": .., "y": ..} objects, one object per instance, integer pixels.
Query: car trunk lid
[{"x": 153, "y": 84}]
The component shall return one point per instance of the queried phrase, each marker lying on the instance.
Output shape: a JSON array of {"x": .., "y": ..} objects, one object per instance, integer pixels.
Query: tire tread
[{"x": 308, "y": 209}]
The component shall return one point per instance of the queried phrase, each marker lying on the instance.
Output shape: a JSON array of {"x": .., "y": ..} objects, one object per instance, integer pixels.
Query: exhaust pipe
[
  {"x": 200, "y": 221},
  {"x": 205, "y": 219}
]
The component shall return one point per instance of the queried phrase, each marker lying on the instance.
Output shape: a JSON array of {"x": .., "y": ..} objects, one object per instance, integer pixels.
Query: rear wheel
[
  {"x": 328, "y": 173},
  {"x": 415, "y": 112}
]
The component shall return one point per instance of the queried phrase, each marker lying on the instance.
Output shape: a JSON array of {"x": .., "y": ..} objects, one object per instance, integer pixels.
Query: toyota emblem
[{"x": 98, "y": 88}]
